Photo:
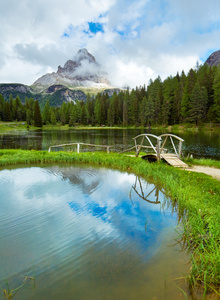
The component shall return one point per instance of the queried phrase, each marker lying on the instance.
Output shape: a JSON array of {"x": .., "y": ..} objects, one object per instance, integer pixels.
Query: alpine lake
[{"x": 82, "y": 232}]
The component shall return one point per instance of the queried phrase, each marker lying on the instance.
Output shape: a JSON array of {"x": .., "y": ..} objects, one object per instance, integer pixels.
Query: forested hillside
[{"x": 193, "y": 98}]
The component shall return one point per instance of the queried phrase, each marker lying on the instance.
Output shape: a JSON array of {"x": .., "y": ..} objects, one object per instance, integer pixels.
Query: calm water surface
[
  {"x": 87, "y": 233},
  {"x": 201, "y": 144}
]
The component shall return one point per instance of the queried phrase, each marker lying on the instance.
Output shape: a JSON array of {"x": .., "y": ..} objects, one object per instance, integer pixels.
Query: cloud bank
[{"x": 132, "y": 40}]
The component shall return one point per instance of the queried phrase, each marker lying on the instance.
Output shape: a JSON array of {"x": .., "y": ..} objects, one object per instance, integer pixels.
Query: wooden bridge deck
[{"x": 173, "y": 160}]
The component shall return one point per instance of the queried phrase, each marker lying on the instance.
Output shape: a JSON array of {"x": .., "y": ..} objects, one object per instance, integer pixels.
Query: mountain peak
[
  {"x": 83, "y": 70},
  {"x": 83, "y": 51},
  {"x": 83, "y": 54}
]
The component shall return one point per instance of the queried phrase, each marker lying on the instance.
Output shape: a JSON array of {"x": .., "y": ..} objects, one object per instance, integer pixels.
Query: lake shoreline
[
  {"x": 194, "y": 195},
  {"x": 209, "y": 127}
]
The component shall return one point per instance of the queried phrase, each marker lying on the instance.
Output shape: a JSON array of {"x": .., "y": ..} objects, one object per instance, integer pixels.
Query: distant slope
[
  {"x": 15, "y": 89},
  {"x": 55, "y": 94}
]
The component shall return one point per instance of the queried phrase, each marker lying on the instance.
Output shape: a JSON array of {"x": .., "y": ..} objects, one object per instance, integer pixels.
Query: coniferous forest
[{"x": 192, "y": 98}]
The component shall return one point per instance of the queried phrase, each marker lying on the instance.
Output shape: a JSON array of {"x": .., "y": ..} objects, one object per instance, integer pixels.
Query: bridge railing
[
  {"x": 78, "y": 146},
  {"x": 171, "y": 136},
  {"x": 148, "y": 136},
  {"x": 159, "y": 148}
]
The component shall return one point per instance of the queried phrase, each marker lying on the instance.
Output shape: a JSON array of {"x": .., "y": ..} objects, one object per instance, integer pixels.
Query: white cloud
[{"x": 141, "y": 39}]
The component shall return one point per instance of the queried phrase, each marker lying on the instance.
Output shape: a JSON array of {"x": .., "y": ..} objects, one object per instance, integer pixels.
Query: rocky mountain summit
[
  {"x": 213, "y": 59},
  {"x": 69, "y": 83},
  {"x": 83, "y": 70}
]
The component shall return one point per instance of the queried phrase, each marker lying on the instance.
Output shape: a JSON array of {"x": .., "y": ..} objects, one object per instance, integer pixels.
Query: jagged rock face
[
  {"x": 83, "y": 70},
  {"x": 54, "y": 88},
  {"x": 213, "y": 59},
  {"x": 71, "y": 66},
  {"x": 65, "y": 94},
  {"x": 13, "y": 87}
]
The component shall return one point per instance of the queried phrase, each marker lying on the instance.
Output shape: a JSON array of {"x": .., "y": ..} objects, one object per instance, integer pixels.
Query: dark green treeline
[{"x": 193, "y": 98}]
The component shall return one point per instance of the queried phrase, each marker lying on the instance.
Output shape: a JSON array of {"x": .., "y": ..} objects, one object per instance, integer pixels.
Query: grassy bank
[
  {"x": 195, "y": 195},
  {"x": 208, "y": 162},
  {"x": 21, "y": 126}
]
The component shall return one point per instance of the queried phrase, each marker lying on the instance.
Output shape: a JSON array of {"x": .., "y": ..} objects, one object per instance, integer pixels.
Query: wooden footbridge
[
  {"x": 157, "y": 151},
  {"x": 155, "y": 148}
]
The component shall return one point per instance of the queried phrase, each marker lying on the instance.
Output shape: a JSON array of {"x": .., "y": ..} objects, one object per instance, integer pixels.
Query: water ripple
[{"x": 73, "y": 224}]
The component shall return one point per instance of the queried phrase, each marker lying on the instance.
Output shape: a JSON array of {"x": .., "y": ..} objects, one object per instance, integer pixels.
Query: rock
[
  {"x": 54, "y": 88},
  {"x": 213, "y": 59},
  {"x": 14, "y": 87}
]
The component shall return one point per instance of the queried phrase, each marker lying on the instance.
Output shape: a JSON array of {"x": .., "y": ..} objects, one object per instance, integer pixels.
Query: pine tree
[
  {"x": 83, "y": 113},
  {"x": 197, "y": 111},
  {"x": 97, "y": 111},
  {"x": 111, "y": 113},
  {"x": 125, "y": 108},
  {"x": 168, "y": 100},
  {"x": 46, "y": 113},
  {"x": 216, "y": 105},
  {"x": 143, "y": 111},
  {"x": 149, "y": 111},
  {"x": 16, "y": 112},
  {"x": 73, "y": 115},
  {"x": 7, "y": 113},
  {"x": 11, "y": 105},
  {"x": 156, "y": 95},
  {"x": 63, "y": 114},
  {"x": 186, "y": 99},
  {"x": 53, "y": 119},
  {"x": 134, "y": 108},
  {"x": 28, "y": 116},
  {"x": 2, "y": 105},
  {"x": 37, "y": 115},
  {"x": 89, "y": 108},
  {"x": 100, "y": 108}
]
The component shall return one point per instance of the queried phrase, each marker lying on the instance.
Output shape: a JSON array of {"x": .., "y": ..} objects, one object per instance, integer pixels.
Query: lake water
[
  {"x": 200, "y": 144},
  {"x": 88, "y": 233}
]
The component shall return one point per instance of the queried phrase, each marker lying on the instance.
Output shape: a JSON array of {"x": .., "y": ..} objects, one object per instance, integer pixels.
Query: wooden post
[
  {"x": 139, "y": 147},
  {"x": 158, "y": 149},
  {"x": 136, "y": 154},
  {"x": 49, "y": 149},
  {"x": 108, "y": 149},
  {"x": 180, "y": 148},
  {"x": 78, "y": 146}
]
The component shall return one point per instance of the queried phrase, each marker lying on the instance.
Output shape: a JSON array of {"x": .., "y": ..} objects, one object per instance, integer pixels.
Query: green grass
[
  {"x": 7, "y": 126},
  {"x": 203, "y": 162},
  {"x": 16, "y": 126},
  {"x": 196, "y": 196}
]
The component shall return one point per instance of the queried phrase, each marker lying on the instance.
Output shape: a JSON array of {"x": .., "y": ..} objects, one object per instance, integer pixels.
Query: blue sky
[{"x": 132, "y": 40}]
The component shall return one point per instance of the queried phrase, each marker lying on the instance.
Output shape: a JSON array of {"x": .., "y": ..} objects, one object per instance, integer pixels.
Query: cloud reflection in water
[{"x": 55, "y": 214}]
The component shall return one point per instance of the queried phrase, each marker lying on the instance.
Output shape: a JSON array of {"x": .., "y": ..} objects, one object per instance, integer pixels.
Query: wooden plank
[
  {"x": 176, "y": 162},
  {"x": 171, "y": 159}
]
